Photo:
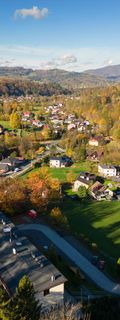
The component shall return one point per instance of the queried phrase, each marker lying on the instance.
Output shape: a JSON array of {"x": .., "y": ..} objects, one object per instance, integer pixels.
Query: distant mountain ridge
[
  {"x": 109, "y": 73},
  {"x": 69, "y": 80}
]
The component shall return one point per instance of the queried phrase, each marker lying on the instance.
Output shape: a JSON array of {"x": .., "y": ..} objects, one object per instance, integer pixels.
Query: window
[{"x": 46, "y": 291}]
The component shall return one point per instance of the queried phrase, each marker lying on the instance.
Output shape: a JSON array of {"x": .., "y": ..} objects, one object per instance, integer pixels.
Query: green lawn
[
  {"x": 98, "y": 221},
  {"x": 61, "y": 173},
  {"x": 5, "y": 124}
]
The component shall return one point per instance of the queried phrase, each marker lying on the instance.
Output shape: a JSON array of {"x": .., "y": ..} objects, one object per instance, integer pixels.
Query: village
[{"x": 56, "y": 123}]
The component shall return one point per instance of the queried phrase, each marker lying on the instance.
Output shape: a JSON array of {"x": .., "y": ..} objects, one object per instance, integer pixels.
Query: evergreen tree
[
  {"x": 3, "y": 295},
  {"x": 23, "y": 305}
]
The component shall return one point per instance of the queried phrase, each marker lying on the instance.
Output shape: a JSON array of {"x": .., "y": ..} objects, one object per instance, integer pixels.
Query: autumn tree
[
  {"x": 13, "y": 196},
  {"x": 58, "y": 217},
  {"x": 71, "y": 177},
  {"x": 46, "y": 133},
  {"x": 43, "y": 188},
  {"x": 15, "y": 121}
]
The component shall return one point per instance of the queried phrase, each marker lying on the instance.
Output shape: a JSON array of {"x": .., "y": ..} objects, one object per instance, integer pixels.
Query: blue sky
[{"x": 67, "y": 34}]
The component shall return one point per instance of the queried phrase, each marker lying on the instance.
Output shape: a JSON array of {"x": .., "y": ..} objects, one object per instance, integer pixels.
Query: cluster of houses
[
  {"x": 95, "y": 184},
  {"x": 29, "y": 118},
  {"x": 60, "y": 121},
  {"x": 97, "y": 189},
  {"x": 59, "y": 117}
]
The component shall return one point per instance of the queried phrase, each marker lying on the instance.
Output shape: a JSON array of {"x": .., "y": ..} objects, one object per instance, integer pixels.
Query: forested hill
[
  {"x": 17, "y": 87},
  {"x": 110, "y": 73},
  {"x": 69, "y": 80}
]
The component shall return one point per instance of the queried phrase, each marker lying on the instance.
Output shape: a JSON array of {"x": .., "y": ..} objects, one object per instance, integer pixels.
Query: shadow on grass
[{"x": 98, "y": 221}]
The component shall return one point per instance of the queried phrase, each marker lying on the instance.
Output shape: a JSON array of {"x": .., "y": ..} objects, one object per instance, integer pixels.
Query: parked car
[
  {"x": 17, "y": 169},
  {"x": 32, "y": 213},
  {"x": 101, "y": 264},
  {"x": 95, "y": 260}
]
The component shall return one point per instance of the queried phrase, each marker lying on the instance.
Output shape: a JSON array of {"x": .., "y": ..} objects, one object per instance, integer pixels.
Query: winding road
[{"x": 99, "y": 278}]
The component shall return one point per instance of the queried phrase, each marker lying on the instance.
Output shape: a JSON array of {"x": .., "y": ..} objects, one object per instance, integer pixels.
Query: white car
[
  {"x": 17, "y": 169},
  {"x": 7, "y": 229}
]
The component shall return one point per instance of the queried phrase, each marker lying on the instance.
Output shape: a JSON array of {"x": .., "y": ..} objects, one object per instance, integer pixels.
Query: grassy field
[
  {"x": 61, "y": 173},
  {"x": 98, "y": 221},
  {"x": 5, "y": 124}
]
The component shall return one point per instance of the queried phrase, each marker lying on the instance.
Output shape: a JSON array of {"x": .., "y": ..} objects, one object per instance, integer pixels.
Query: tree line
[{"x": 17, "y": 87}]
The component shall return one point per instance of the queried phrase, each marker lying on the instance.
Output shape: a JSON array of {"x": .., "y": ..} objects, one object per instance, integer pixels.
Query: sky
[{"x": 74, "y": 35}]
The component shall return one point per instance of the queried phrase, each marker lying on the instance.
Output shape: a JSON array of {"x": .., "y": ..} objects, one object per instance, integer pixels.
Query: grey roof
[
  {"x": 4, "y": 167},
  {"x": 86, "y": 177},
  {"x": 28, "y": 261},
  {"x": 87, "y": 182},
  {"x": 55, "y": 158},
  {"x": 105, "y": 166},
  {"x": 9, "y": 161}
]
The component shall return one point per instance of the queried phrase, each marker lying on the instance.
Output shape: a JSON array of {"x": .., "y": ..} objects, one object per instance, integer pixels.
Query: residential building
[
  {"x": 4, "y": 168},
  {"x": 84, "y": 179},
  {"x": 71, "y": 126},
  {"x": 22, "y": 258},
  {"x": 60, "y": 162},
  {"x": 101, "y": 192},
  {"x": 8, "y": 164},
  {"x": 107, "y": 170}
]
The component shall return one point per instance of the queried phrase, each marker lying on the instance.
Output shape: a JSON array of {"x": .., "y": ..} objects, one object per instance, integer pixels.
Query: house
[
  {"x": 60, "y": 162},
  {"x": 86, "y": 122},
  {"x": 107, "y": 170},
  {"x": 95, "y": 188},
  {"x": 37, "y": 123},
  {"x": 95, "y": 141},
  {"x": 22, "y": 258},
  {"x": 104, "y": 194},
  {"x": 84, "y": 179},
  {"x": 101, "y": 192},
  {"x": 8, "y": 164},
  {"x": 71, "y": 126},
  {"x": 27, "y": 114},
  {"x": 4, "y": 168},
  {"x": 95, "y": 155}
]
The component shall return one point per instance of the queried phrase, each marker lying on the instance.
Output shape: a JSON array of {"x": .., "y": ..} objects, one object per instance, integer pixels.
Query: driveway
[{"x": 90, "y": 270}]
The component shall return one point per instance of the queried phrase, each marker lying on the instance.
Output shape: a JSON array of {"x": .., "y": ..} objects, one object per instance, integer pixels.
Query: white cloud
[
  {"x": 60, "y": 62},
  {"x": 68, "y": 58},
  {"x": 77, "y": 59},
  {"x": 34, "y": 12},
  {"x": 108, "y": 62}
]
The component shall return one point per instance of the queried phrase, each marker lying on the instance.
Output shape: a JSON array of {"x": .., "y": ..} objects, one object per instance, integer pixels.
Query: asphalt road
[
  {"x": 26, "y": 168},
  {"x": 81, "y": 261}
]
